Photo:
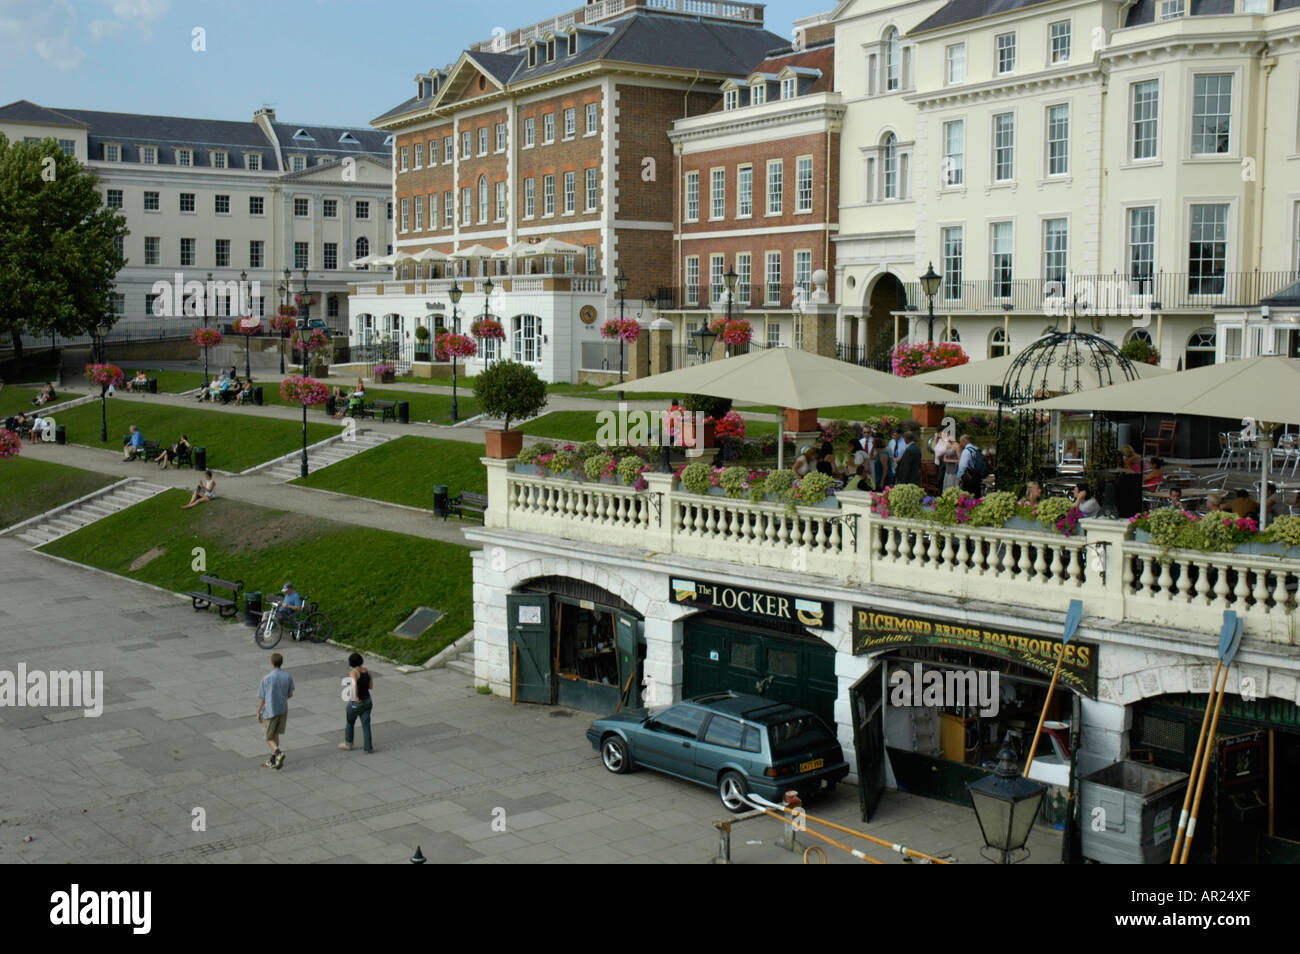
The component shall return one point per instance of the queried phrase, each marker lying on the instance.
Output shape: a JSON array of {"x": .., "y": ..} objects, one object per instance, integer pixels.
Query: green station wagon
[{"x": 735, "y": 743}]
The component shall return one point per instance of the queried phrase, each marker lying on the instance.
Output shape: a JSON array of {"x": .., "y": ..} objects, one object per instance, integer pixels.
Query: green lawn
[
  {"x": 431, "y": 407},
  {"x": 234, "y": 441},
  {"x": 367, "y": 581},
  {"x": 170, "y": 382},
  {"x": 404, "y": 471},
  {"x": 30, "y": 487},
  {"x": 18, "y": 397}
]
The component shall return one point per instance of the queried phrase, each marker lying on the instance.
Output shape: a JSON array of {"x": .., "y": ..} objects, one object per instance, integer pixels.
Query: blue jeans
[{"x": 362, "y": 710}]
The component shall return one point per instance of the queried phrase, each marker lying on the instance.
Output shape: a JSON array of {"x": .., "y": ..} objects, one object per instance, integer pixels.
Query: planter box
[
  {"x": 928, "y": 415},
  {"x": 708, "y": 438},
  {"x": 801, "y": 422},
  {"x": 1021, "y": 523},
  {"x": 1269, "y": 549},
  {"x": 503, "y": 445},
  {"x": 388, "y": 378},
  {"x": 530, "y": 470},
  {"x": 321, "y": 371},
  {"x": 1141, "y": 536}
]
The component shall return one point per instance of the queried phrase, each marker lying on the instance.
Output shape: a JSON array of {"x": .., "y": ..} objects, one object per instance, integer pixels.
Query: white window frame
[
  {"x": 548, "y": 195},
  {"x": 772, "y": 267},
  {"x": 789, "y": 87},
  {"x": 466, "y": 205},
  {"x": 744, "y": 276},
  {"x": 730, "y": 99},
  {"x": 1011, "y": 147},
  {"x": 758, "y": 93},
  {"x": 405, "y": 219},
  {"x": 548, "y": 128},
  {"x": 530, "y": 132},
  {"x": 501, "y": 137},
  {"x": 1153, "y": 119},
  {"x": 717, "y": 194},
  {"x": 1232, "y": 76},
  {"x": 774, "y": 207},
  {"x": 953, "y": 264},
  {"x": 419, "y": 213},
  {"x": 149, "y": 155},
  {"x": 1049, "y": 142},
  {"x": 1000, "y": 46},
  {"x": 1056, "y": 261},
  {"x": 591, "y": 182},
  {"x": 745, "y": 194},
  {"x": 803, "y": 176},
  {"x": 1053, "y": 47},
  {"x": 994, "y": 255},
  {"x": 593, "y": 119},
  {"x": 530, "y": 197},
  {"x": 954, "y": 62},
  {"x": 691, "y": 271},
  {"x": 403, "y": 153},
  {"x": 501, "y": 201},
  {"x": 954, "y": 167},
  {"x": 419, "y": 155},
  {"x": 570, "y": 192},
  {"x": 691, "y": 197},
  {"x": 570, "y": 122},
  {"x": 185, "y": 157}
]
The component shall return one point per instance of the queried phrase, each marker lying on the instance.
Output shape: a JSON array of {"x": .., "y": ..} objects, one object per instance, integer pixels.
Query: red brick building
[
  {"x": 757, "y": 194},
  {"x": 558, "y": 131}
]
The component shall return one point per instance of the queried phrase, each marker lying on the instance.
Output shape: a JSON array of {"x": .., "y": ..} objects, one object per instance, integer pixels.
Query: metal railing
[
  {"x": 706, "y": 297},
  {"x": 860, "y": 356},
  {"x": 603, "y": 356},
  {"x": 605, "y": 9}
]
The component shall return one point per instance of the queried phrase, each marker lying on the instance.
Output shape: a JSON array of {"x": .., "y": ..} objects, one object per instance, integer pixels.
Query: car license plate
[{"x": 811, "y": 766}]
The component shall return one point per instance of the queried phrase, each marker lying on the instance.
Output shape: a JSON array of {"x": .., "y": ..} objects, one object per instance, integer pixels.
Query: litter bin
[
  {"x": 257, "y": 395},
  {"x": 200, "y": 458},
  {"x": 440, "y": 500},
  {"x": 403, "y": 412},
  {"x": 153, "y": 385},
  {"x": 60, "y": 434},
  {"x": 252, "y": 607},
  {"x": 1139, "y": 806}
]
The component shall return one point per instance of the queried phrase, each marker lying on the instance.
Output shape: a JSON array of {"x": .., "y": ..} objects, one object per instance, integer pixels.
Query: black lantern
[
  {"x": 1006, "y": 806},
  {"x": 930, "y": 285},
  {"x": 705, "y": 337}
]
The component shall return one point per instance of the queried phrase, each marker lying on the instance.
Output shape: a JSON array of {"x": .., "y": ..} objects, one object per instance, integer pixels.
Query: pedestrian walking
[
  {"x": 359, "y": 703},
  {"x": 273, "y": 697}
]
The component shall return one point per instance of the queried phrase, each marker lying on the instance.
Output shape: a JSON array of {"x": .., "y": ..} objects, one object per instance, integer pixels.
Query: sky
[{"x": 339, "y": 62}]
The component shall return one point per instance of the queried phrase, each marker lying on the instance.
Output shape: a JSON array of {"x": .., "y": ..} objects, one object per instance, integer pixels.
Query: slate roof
[
  {"x": 24, "y": 111},
  {"x": 1288, "y": 297},
  {"x": 499, "y": 66},
  {"x": 960, "y": 11}
]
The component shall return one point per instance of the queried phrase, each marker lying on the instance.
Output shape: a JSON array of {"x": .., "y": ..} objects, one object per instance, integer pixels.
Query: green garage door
[{"x": 781, "y": 667}]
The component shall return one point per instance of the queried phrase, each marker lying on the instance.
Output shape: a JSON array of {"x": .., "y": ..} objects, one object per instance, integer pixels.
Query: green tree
[{"x": 58, "y": 244}]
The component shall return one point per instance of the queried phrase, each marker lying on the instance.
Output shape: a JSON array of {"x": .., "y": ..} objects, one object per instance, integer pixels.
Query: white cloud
[
  {"x": 142, "y": 14},
  {"x": 101, "y": 30},
  {"x": 47, "y": 29}
]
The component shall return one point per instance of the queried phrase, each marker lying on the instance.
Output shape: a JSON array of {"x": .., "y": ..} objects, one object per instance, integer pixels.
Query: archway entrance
[{"x": 887, "y": 296}]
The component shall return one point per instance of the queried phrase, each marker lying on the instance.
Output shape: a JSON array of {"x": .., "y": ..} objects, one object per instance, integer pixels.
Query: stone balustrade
[{"x": 1117, "y": 577}]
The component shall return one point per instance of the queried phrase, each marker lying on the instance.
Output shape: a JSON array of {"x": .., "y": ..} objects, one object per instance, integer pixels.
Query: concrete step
[
  {"x": 461, "y": 666},
  {"x": 34, "y": 537}
]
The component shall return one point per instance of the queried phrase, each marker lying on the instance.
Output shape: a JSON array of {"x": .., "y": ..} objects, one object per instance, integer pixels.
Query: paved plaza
[{"x": 178, "y": 733}]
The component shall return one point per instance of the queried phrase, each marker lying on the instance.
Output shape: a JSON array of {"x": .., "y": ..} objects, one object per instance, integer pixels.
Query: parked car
[
  {"x": 313, "y": 324},
  {"x": 738, "y": 744}
]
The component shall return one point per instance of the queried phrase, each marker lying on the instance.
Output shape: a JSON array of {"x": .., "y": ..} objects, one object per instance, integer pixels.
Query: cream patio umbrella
[
  {"x": 474, "y": 251},
  {"x": 552, "y": 246},
  {"x": 790, "y": 378},
  {"x": 1252, "y": 390},
  {"x": 512, "y": 252},
  {"x": 364, "y": 261},
  {"x": 992, "y": 372}
]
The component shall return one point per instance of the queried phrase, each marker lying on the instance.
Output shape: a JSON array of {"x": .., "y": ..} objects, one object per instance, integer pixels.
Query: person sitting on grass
[
  {"x": 45, "y": 396},
  {"x": 205, "y": 491},
  {"x": 170, "y": 455},
  {"x": 134, "y": 445}
]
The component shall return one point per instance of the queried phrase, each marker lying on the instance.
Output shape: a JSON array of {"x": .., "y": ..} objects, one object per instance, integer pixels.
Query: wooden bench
[
  {"x": 226, "y": 606},
  {"x": 386, "y": 410},
  {"x": 466, "y": 502}
]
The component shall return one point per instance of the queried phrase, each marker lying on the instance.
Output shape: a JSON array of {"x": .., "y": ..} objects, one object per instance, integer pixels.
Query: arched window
[
  {"x": 954, "y": 336},
  {"x": 363, "y": 247},
  {"x": 889, "y": 150},
  {"x": 1200, "y": 349},
  {"x": 1138, "y": 334},
  {"x": 893, "y": 60},
  {"x": 998, "y": 344},
  {"x": 482, "y": 199},
  {"x": 527, "y": 335}
]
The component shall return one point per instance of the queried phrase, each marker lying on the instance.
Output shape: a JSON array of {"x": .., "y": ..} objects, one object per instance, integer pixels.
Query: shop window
[
  {"x": 744, "y": 655},
  {"x": 782, "y": 662}
]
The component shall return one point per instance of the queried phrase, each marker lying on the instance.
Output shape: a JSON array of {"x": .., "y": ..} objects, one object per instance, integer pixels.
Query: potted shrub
[
  {"x": 421, "y": 343},
  {"x": 509, "y": 391},
  {"x": 713, "y": 409},
  {"x": 385, "y": 374}
]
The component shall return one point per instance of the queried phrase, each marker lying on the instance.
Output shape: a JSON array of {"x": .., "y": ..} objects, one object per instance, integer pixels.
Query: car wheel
[
  {"x": 614, "y": 754},
  {"x": 733, "y": 790}
]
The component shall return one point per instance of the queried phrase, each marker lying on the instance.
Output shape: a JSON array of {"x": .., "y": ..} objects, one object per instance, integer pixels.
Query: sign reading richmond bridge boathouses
[
  {"x": 874, "y": 631},
  {"x": 815, "y": 614}
]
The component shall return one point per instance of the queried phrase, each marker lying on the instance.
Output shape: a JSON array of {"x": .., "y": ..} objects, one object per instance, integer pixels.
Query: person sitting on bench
[
  {"x": 245, "y": 395},
  {"x": 39, "y": 427},
  {"x": 172, "y": 453},
  {"x": 205, "y": 491},
  {"x": 139, "y": 383},
  {"x": 134, "y": 445}
]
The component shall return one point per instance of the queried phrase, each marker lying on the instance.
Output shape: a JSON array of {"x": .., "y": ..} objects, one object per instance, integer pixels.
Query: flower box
[
  {"x": 928, "y": 415},
  {"x": 503, "y": 445},
  {"x": 1269, "y": 549},
  {"x": 529, "y": 470},
  {"x": 1023, "y": 523},
  {"x": 708, "y": 438},
  {"x": 388, "y": 377}
]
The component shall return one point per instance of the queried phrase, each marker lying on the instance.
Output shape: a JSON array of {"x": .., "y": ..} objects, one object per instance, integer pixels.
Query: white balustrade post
[
  {"x": 498, "y": 509},
  {"x": 659, "y": 533},
  {"x": 857, "y": 503},
  {"x": 1104, "y": 559}
]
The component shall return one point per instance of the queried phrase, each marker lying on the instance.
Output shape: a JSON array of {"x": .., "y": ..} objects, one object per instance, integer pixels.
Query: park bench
[
  {"x": 226, "y": 606},
  {"x": 385, "y": 409},
  {"x": 149, "y": 451},
  {"x": 466, "y": 502}
]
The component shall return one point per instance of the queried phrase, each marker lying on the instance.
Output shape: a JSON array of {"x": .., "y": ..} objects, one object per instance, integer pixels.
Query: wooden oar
[
  {"x": 1072, "y": 618},
  {"x": 1209, "y": 741},
  {"x": 1226, "y": 635},
  {"x": 624, "y": 695}
]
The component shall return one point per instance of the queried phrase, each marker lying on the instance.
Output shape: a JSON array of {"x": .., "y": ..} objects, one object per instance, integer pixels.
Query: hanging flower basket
[
  {"x": 248, "y": 326},
  {"x": 105, "y": 375},
  {"x": 625, "y": 329},
  {"x": 10, "y": 443},
  {"x": 285, "y": 321},
  {"x": 301, "y": 299},
  {"x": 450, "y": 344},
  {"x": 312, "y": 341},
  {"x": 736, "y": 333},
  {"x": 206, "y": 337},
  {"x": 909, "y": 359},
  {"x": 307, "y": 392},
  {"x": 487, "y": 329}
]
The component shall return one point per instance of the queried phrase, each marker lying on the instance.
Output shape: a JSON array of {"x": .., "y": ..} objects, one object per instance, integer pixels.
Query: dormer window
[
  {"x": 550, "y": 50},
  {"x": 532, "y": 55},
  {"x": 348, "y": 137},
  {"x": 184, "y": 157},
  {"x": 297, "y": 163},
  {"x": 112, "y": 152},
  {"x": 149, "y": 155},
  {"x": 758, "y": 93},
  {"x": 304, "y": 134},
  {"x": 218, "y": 160},
  {"x": 573, "y": 43},
  {"x": 388, "y": 140},
  {"x": 730, "y": 99},
  {"x": 789, "y": 87}
]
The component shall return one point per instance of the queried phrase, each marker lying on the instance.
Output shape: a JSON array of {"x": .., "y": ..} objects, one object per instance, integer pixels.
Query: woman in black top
[{"x": 357, "y": 694}]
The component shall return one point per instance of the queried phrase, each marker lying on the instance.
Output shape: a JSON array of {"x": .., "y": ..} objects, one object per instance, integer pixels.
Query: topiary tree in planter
[
  {"x": 509, "y": 391},
  {"x": 421, "y": 343}
]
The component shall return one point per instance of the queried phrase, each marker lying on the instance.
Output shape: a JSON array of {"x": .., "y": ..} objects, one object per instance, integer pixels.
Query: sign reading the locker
[
  {"x": 817, "y": 614},
  {"x": 874, "y": 631}
]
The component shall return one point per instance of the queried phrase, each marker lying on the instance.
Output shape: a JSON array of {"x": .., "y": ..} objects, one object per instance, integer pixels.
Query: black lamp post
[
  {"x": 705, "y": 337},
  {"x": 621, "y": 283},
  {"x": 306, "y": 316},
  {"x": 454, "y": 294},
  {"x": 647, "y": 312},
  {"x": 930, "y": 285},
  {"x": 730, "y": 278},
  {"x": 1006, "y": 805},
  {"x": 101, "y": 332},
  {"x": 284, "y": 332},
  {"x": 248, "y": 343},
  {"x": 487, "y": 294},
  {"x": 203, "y": 307}
]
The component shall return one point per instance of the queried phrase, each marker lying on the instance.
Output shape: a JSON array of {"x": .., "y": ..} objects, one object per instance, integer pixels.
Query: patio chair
[
  {"x": 1288, "y": 453},
  {"x": 1163, "y": 442}
]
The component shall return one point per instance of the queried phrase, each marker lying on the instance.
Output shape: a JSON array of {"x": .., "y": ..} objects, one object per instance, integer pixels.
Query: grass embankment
[
  {"x": 170, "y": 382},
  {"x": 16, "y": 398},
  {"x": 430, "y": 407},
  {"x": 30, "y": 487},
  {"x": 405, "y": 470},
  {"x": 367, "y": 581},
  {"x": 234, "y": 441}
]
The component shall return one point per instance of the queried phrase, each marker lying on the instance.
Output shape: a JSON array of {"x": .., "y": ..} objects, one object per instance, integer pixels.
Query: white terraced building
[
  {"x": 205, "y": 197},
  {"x": 586, "y": 594}
]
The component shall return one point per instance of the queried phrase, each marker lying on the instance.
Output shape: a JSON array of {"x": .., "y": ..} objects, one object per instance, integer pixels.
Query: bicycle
[{"x": 308, "y": 624}]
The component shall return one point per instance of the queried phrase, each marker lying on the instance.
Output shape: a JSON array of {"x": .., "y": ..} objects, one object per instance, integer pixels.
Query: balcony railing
[
  {"x": 1108, "y": 294},
  {"x": 1118, "y": 578},
  {"x": 706, "y": 297}
]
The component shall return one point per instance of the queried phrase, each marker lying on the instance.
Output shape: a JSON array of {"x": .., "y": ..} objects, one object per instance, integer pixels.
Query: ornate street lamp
[
  {"x": 1005, "y": 806},
  {"x": 454, "y": 294},
  {"x": 930, "y": 285},
  {"x": 645, "y": 319},
  {"x": 705, "y": 337},
  {"x": 488, "y": 288},
  {"x": 101, "y": 332},
  {"x": 306, "y": 316},
  {"x": 203, "y": 307},
  {"x": 248, "y": 343},
  {"x": 621, "y": 283},
  {"x": 730, "y": 279}
]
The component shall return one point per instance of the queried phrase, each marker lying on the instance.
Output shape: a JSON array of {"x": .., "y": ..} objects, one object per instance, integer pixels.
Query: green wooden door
[
  {"x": 866, "y": 699},
  {"x": 528, "y": 616},
  {"x": 628, "y": 669}
]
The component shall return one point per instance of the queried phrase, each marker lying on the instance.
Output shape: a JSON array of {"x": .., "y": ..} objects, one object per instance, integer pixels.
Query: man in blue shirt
[
  {"x": 292, "y": 602},
  {"x": 273, "y": 697},
  {"x": 134, "y": 444}
]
